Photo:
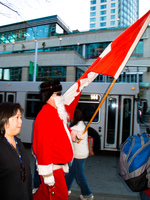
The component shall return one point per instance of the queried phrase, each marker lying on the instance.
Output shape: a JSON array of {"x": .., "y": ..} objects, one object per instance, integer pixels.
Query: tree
[{"x": 16, "y": 9}]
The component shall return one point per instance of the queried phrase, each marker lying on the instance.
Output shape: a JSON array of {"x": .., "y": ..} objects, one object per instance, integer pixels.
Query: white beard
[{"x": 59, "y": 101}]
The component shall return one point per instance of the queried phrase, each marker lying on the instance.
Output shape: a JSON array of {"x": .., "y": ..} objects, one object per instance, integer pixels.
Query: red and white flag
[{"x": 111, "y": 62}]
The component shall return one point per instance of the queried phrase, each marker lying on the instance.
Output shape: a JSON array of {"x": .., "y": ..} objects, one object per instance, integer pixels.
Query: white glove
[{"x": 49, "y": 180}]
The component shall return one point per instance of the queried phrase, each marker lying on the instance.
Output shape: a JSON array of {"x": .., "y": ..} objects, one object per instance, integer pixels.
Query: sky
[{"x": 74, "y": 13}]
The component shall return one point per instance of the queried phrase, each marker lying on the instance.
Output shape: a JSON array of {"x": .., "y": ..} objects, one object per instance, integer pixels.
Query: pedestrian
[
  {"x": 81, "y": 152},
  {"x": 15, "y": 172},
  {"x": 52, "y": 143}
]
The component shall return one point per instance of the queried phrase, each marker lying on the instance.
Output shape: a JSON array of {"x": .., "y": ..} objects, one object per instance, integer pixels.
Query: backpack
[{"x": 134, "y": 163}]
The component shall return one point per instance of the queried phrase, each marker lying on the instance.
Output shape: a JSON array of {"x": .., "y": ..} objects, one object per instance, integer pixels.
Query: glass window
[
  {"x": 93, "y": 2},
  {"x": 102, "y": 24},
  {"x": 79, "y": 73},
  {"x": 0, "y": 73},
  {"x": 138, "y": 51},
  {"x": 112, "y": 23},
  {"x": 127, "y": 111},
  {"x": 92, "y": 26},
  {"x": 95, "y": 49},
  {"x": 30, "y": 33},
  {"x": 93, "y": 8},
  {"x": 33, "y": 105},
  {"x": 92, "y": 14},
  {"x": 111, "y": 126},
  {"x": 112, "y": 11},
  {"x": 103, "y": 18},
  {"x": 6, "y": 74},
  {"x": 11, "y": 74},
  {"x": 88, "y": 110},
  {"x": 10, "y": 97},
  {"x": 102, "y": 1},
  {"x": 59, "y": 30},
  {"x": 92, "y": 19},
  {"x": 112, "y": 16},
  {"x": 100, "y": 78},
  {"x": 140, "y": 77},
  {"x": 113, "y": 5},
  {"x": 48, "y": 73},
  {"x": 103, "y": 12},
  {"x": 132, "y": 78},
  {"x": 103, "y": 6},
  {"x": 1, "y": 97}
]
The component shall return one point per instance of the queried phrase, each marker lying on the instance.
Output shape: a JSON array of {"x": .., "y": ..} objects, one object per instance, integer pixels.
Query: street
[
  {"x": 104, "y": 181},
  {"x": 102, "y": 176}
]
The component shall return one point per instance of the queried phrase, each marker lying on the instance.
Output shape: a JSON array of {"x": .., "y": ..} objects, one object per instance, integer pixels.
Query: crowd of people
[
  {"x": 60, "y": 151},
  {"x": 55, "y": 149}
]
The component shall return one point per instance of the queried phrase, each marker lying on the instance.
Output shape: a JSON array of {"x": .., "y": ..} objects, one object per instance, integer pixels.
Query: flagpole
[{"x": 102, "y": 101}]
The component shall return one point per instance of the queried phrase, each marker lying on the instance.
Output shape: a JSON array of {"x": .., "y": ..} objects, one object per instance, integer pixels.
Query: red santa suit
[{"x": 53, "y": 149}]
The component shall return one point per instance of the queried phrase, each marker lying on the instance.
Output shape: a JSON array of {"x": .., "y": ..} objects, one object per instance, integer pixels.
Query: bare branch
[
  {"x": 17, "y": 8},
  {"x": 6, "y": 15},
  {"x": 8, "y": 7}
]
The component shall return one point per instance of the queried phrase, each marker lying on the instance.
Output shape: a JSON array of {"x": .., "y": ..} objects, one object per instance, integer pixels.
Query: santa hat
[{"x": 48, "y": 88}]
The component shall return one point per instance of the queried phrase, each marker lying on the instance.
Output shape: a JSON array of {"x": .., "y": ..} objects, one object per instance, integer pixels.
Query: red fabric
[
  {"x": 42, "y": 192},
  {"x": 51, "y": 143},
  {"x": 111, "y": 62},
  {"x": 71, "y": 107},
  {"x": 147, "y": 192},
  {"x": 120, "y": 47},
  {"x": 60, "y": 189}
]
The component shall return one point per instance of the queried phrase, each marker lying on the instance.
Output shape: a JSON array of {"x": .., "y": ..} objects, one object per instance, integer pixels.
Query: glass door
[
  {"x": 111, "y": 127},
  {"x": 126, "y": 118}
]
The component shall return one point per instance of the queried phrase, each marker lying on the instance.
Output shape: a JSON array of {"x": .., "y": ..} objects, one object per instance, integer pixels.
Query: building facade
[
  {"x": 65, "y": 55},
  {"x": 113, "y": 13}
]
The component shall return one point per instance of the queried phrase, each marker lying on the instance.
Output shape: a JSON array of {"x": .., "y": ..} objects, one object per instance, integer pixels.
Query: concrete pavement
[
  {"x": 102, "y": 176},
  {"x": 104, "y": 181}
]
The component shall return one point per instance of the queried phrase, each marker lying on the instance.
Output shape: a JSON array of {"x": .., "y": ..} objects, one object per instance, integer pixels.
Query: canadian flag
[{"x": 111, "y": 62}]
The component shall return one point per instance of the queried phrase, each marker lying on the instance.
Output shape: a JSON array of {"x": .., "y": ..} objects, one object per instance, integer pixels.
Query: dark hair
[
  {"x": 7, "y": 110},
  {"x": 78, "y": 116},
  {"x": 48, "y": 88}
]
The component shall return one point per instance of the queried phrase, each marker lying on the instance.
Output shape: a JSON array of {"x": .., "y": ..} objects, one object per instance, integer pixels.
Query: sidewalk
[
  {"x": 103, "y": 179},
  {"x": 102, "y": 176}
]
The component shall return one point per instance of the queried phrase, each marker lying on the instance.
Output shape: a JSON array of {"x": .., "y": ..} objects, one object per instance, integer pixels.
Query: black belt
[{"x": 59, "y": 164}]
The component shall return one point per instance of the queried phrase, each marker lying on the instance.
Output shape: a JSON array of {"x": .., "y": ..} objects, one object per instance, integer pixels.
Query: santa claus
[{"x": 52, "y": 143}]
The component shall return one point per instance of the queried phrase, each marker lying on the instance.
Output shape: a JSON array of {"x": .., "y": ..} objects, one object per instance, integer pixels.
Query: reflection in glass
[
  {"x": 126, "y": 118},
  {"x": 88, "y": 109},
  {"x": 111, "y": 128}
]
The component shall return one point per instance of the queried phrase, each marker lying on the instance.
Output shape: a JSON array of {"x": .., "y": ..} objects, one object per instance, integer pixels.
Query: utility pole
[{"x": 35, "y": 60}]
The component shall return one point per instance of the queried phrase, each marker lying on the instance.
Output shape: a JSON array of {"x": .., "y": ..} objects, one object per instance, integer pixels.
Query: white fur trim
[
  {"x": 68, "y": 133},
  {"x": 49, "y": 180},
  {"x": 45, "y": 169},
  {"x": 64, "y": 167}
]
